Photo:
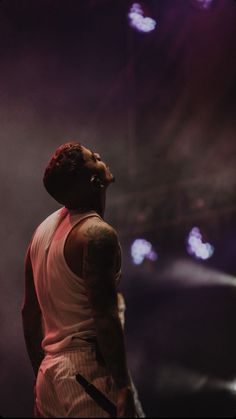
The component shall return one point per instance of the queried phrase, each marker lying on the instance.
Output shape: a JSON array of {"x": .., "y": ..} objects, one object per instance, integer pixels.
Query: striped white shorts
[{"x": 58, "y": 393}]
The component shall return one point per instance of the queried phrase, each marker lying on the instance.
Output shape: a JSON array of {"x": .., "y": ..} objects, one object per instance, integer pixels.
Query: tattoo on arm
[
  {"x": 100, "y": 260},
  {"x": 102, "y": 249},
  {"x": 100, "y": 263}
]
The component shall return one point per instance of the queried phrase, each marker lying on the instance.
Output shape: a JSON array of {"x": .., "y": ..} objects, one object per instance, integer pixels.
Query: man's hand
[{"x": 125, "y": 403}]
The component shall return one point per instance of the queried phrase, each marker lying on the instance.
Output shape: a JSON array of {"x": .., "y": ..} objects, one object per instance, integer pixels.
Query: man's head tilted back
[{"x": 74, "y": 173}]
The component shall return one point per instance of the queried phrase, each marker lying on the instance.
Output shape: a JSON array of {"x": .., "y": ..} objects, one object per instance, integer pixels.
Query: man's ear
[{"x": 97, "y": 182}]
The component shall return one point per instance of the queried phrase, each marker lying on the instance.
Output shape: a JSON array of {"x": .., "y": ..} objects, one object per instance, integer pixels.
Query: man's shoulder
[
  {"x": 97, "y": 230},
  {"x": 52, "y": 218},
  {"x": 100, "y": 248},
  {"x": 48, "y": 224}
]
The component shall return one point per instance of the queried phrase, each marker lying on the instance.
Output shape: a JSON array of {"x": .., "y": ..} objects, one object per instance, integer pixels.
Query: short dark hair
[{"x": 63, "y": 170}]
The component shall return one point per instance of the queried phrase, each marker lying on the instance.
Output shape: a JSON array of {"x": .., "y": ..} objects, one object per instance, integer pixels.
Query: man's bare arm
[
  {"x": 99, "y": 271},
  {"x": 32, "y": 319}
]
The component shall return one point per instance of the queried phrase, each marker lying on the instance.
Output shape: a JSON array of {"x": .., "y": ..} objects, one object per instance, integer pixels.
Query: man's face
[{"x": 94, "y": 163}]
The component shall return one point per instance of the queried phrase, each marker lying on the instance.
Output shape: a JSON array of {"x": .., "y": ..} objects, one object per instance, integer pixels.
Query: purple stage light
[
  {"x": 197, "y": 247},
  {"x": 138, "y": 21},
  {"x": 142, "y": 249},
  {"x": 152, "y": 256},
  {"x": 202, "y": 4}
]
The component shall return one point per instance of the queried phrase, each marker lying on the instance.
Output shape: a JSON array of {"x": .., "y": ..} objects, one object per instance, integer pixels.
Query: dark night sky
[{"x": 160, "y": 108}]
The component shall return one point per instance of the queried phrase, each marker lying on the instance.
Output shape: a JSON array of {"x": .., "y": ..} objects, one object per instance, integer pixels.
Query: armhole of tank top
[
  {"x": 31, "y": 245},
  {"x": 66, "y": 266}
]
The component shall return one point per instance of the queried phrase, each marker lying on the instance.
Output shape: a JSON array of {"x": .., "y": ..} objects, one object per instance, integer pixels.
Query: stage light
[
  {"x": 197, "y": 247},
  {"x": 202, "y": 4},
  {"x": 140, "y": 22},
  {"x": 142, "y": 249},
  {"x": 152, "y": 256}
]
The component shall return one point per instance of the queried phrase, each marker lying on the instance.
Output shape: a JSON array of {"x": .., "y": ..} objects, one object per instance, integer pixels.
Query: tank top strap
[{"x": 76, "y": 217}]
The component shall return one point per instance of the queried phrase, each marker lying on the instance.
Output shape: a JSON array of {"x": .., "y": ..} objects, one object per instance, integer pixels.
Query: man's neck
[{"x": 98, "y": 206}]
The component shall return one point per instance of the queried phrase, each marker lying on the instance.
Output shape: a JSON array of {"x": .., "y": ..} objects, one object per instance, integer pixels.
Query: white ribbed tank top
[{"x": 61, "y": 293}]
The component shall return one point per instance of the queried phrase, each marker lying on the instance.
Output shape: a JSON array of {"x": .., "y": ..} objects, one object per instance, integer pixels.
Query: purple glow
[
  {"x": 138, "y": 21},
  {"x": 142, "y": 249},
  {"x": 203, "y": 4},
  {"x": 152, "y": 256},
  {"x": 196, "y": 246}
]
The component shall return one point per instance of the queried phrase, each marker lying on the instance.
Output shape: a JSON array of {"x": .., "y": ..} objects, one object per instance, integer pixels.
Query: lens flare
[
  {"x": 140, "y": 22},
  {"x": 202, "y": 4},
  {"x": 197, "y": 247},
  {"x": 142, "y": 249}
]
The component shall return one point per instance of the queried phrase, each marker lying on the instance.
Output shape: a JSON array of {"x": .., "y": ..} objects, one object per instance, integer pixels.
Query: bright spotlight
[
  {"x": 197, "y": 247},
  {"x": 142, "y": 249},
  {"x": 138, "y": 21}
]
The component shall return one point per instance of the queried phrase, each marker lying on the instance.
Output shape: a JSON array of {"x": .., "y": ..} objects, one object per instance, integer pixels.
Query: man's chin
[
  {"x": 113, "y": 179},
  {"x": 110, "y": 179}
]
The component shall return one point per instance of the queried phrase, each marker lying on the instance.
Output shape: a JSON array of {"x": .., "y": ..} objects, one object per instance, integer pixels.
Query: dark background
[{"x": 160, "y": 109}]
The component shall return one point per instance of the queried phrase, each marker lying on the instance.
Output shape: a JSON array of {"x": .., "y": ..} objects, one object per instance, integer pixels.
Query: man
[{"x": 71, "y": 324}]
